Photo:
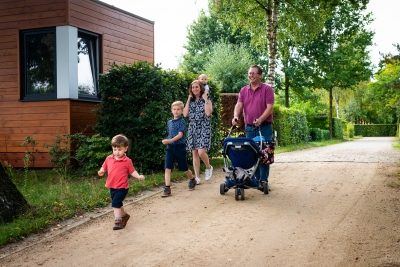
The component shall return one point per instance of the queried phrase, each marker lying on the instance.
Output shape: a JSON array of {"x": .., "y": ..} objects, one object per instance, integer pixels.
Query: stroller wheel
[
  {"x": 223, "y": 189},
  {"x": 239, "y": 193}
]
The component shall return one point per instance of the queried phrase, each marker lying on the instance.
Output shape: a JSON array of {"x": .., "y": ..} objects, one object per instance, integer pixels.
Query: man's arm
[
  {"x": 268, "y": 111},
  {"x": 236, "y": 113}
]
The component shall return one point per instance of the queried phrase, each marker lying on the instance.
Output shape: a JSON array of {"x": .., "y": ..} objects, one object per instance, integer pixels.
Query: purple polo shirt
[{"x": 255, "y": 102}]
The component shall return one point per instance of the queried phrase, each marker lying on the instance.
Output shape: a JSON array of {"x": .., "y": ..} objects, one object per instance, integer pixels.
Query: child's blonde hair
[
  {"x": 119, "y": 140},
  {"x": 177, "y": 104}
]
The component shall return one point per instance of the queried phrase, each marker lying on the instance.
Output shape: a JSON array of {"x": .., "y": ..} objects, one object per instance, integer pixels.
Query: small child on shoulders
[{"x": 203, "y": 78}]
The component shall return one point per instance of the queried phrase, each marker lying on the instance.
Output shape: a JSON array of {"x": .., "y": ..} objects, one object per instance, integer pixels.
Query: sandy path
[{"x": 328, "y": 206}]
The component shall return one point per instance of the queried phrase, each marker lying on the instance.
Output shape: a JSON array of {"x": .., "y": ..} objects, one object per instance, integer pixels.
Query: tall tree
[
  {"x": 339, "y": 56},
  {"x": 270, "y": 20},
  {"x": 204, "y": 34}
]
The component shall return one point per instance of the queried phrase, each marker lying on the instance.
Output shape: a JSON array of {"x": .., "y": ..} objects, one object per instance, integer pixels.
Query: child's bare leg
[
  {"x": 167, "y": 177},
  {"x": 119, "y": 212},
  {"x": 196, "y": 163}
]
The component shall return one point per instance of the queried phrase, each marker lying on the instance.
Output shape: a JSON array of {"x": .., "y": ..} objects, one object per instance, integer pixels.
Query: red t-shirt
[{"x": 118, "y": 171}]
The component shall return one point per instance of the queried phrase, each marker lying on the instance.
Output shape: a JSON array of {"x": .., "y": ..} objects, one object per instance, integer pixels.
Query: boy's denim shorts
[
  {"x": 176, "y": 153},
  {"x": 117, "y": 196}
]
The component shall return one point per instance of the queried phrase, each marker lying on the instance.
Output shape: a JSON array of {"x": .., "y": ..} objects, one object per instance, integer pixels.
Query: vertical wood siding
[{"x": 126, "y": 38}]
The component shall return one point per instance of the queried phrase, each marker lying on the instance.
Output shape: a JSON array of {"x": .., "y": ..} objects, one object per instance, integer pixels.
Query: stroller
[{"x": 242, "y": 156}]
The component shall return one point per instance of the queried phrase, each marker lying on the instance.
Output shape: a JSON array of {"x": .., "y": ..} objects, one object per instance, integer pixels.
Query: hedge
[{"x": 136, "y": 101}]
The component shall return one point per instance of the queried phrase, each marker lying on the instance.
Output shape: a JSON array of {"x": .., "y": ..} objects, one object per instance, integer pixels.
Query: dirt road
[{"x": 330, "y": 206}]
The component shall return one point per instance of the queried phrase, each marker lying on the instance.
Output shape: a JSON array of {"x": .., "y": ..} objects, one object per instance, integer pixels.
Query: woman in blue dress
[{"x": 198, "y": 109}]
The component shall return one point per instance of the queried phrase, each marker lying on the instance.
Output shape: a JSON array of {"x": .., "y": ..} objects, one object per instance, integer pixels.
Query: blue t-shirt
[{"x": 174, "y": 127}]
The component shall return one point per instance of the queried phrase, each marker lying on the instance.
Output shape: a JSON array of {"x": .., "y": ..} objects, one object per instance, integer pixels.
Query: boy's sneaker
[
  {"x": 125, "y": 219},
  {"x": 118, "y": 224},
  {"x": 192, "y": 184},
  {"x": 198, "y": 181},
  {"x": 166, "y": 192},
  {"x": 208, "y": 173}
]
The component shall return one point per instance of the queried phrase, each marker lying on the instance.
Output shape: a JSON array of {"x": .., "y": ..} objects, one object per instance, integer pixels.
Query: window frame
[
  {"x": 23, "y": 60},
  {"x": 95, "y": 67}
]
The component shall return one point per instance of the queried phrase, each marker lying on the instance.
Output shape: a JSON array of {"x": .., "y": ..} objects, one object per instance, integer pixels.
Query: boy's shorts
[
  {"x": 176, "y": 153},
  {"x": 117, "y": 196}
]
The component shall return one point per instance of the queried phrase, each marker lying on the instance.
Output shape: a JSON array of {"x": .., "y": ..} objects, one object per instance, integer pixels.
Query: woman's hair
[
  {"x": 177, "y": 104},
  {"x": 201, "y": 89},
  {"x": 119, "y": 140}
]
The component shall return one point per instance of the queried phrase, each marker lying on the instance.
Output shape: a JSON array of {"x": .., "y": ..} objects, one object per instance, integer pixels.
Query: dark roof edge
[{"x": 121, "y": 10}]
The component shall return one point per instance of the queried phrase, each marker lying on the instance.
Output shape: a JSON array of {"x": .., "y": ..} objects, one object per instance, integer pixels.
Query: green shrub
[
  {"x": 338, "y": 128},
  {"x": 291, "y": 125},
  {"x": 136, "y": 102},
  {"x": 375, "y": 129},
  {"x": 350, "y": 130},
  {"x": 92, "y": 151}
]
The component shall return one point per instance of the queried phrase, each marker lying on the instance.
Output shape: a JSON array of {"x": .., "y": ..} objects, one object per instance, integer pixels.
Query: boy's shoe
[
  {"x": 208, "y": 173},
  {"x": 192, "y": 184},
  {"x": 118, "y": 224},
  {"x": 198, "y": 181},
  {"x": 166, "y": 192},
  {"x": 125, "y": 219}
]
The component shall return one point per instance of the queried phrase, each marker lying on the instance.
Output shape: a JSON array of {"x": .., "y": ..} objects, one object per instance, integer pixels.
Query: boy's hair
[
  {"x": 178, "y": 103},
  {"x": 119, "y": 140}
]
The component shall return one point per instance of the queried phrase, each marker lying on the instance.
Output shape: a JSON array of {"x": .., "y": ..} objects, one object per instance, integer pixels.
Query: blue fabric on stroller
[{"x": 241, "y": 159}]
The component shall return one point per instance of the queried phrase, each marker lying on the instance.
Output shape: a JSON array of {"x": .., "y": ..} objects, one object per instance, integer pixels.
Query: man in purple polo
[{"x": 256, "y": 101}]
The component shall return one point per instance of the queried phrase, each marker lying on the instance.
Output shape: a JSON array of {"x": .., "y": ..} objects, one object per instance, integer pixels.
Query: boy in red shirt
[{"x": 118, "y": 167}]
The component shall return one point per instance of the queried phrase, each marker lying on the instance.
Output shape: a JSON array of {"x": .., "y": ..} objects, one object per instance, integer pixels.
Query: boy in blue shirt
[{"x": 176, "y": 148}]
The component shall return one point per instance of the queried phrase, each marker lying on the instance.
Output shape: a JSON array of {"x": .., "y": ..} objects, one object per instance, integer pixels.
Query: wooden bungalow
[{"x": 51, "y": 55}]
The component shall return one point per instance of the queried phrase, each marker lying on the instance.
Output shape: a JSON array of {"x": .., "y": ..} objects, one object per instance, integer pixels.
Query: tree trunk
[
  {"x": 12, "y": 203},
  {"x": 272, "y": 10},
  {"x": 287, "y": 85}
]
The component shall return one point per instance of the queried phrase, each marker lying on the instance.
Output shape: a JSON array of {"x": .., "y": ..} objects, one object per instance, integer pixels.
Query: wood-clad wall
[{"x": 125, "y": 39}]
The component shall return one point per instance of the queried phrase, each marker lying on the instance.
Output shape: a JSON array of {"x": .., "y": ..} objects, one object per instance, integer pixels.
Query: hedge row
[
  {"x": 136, "y": 101},
  {"x": 375, "y": 129}
]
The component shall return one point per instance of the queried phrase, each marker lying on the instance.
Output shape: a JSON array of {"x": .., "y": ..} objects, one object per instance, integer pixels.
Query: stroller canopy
[{"x": 243, "y": 152}]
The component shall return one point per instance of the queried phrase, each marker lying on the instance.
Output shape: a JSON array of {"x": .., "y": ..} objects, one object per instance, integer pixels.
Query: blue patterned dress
[{"x": 199, "y": 130}]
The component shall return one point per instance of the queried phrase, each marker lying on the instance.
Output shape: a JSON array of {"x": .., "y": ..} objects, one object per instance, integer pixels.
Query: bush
[
  {"x": 338, "y": 128},
  {"x": 136, "y": 102},
  {"x": 375, "y": 129},
  {"x": 291, "y": 125},
  {"x": 92, "y": 152}
]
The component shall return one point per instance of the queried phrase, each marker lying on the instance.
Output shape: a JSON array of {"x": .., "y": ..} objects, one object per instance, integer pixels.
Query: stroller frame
[{"x": 242, "y": 177}]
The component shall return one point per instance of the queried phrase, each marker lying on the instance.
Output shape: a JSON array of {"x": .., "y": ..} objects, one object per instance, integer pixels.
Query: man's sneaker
[
  {"x": 208, "y": 173},
  {"x": 192, "y": 184},
  {"x": 166, "y": 192},
  {"x": 197, "y": 180},
  {"x": 125, "y": 219}
]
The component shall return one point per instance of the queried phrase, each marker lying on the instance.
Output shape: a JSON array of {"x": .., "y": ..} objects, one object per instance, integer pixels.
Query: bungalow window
[
  {"x": 59, "y": 63},
  {"x": 38, "y": 64},
  {"x": 88, "y": 67}
]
